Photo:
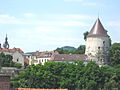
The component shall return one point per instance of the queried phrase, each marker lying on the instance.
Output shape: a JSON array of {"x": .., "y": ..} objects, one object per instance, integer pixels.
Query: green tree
[
  {"x": 74, "y": 76},
  {"x": 6, "y": 61},
  {"x": 115, "y": 54},
  {"x": 60, "y": 50},
  {"x": 85, "y": 35},
  {"x": 80, "y": 50}
]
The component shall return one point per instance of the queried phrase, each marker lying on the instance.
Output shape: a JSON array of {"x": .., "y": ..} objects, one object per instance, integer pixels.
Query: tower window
[
  {"x": 17, "y": 59},
  {"x": 103, "y": 42},
  {"x": 98, "y": 47}
]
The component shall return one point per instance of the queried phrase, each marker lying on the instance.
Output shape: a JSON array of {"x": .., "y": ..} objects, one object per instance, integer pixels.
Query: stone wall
[{"x": 4, "y": 82}]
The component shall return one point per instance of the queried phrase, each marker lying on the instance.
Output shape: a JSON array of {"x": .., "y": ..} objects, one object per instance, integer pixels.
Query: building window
[
  {"x": 98, "y": 47},
  {"x": 17, "y": 59},
  {"x": 103, "y": 42}
]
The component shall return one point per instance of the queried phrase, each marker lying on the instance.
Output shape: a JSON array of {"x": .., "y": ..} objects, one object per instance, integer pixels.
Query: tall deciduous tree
[
  {"x": 74, "y": 76},
  {"x": 6, "y": 61},
  {"x": 80, "y": 49},
  {"x": 115, "y": 54}
]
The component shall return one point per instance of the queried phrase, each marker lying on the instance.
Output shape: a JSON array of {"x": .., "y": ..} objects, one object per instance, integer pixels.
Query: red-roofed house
[
  {"x": 16, "y": 53},
  {"x": 40, "y": 57},
  {"x": 68, "y": 57}
]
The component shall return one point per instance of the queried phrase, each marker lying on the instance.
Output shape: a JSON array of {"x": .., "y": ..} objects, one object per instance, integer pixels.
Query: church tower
[
  {"x": 6, "y": 44},
  {"x": 97, "y": 44}
]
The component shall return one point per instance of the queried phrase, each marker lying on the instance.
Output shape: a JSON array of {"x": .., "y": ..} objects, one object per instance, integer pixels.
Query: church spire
[
  {"x": 98, "y": 29},
  {"x": 6, "y": 44},
  {"x": 6, "y": 39}
]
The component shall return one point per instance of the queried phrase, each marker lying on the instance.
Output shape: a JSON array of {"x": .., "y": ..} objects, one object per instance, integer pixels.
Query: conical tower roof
[{"x": 98, "y": 29}]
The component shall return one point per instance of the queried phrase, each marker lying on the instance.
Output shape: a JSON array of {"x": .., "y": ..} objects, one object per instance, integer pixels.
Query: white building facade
[
  {"x": 16, "y": 53},
  {"x": 40, "y": 57}
]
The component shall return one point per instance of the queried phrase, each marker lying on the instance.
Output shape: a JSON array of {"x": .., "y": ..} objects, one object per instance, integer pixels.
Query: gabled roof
[
  {"x": 42, "y": 54},
  {"x": 98, "y": 29},
  {"x": 11, "y": 50},
  {"x": 68, "y": 57}
]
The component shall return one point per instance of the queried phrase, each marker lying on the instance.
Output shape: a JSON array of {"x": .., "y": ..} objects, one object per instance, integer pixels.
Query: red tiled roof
[
  {"x": 49, "y": 53},
  {"x": 68, "y": 57},
  {"x": 98, "y": 29},
  {"x": 11, "y": 50}
]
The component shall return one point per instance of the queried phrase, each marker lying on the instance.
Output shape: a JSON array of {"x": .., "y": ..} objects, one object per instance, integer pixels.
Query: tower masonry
[{"x": 97, "y": 44}]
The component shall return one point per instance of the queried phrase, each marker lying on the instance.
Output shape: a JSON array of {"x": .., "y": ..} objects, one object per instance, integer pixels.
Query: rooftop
[
  {"x": 98, "y": 29},
  {"x": 11, "y": 50},
  {"x": 68, "y": 57}
]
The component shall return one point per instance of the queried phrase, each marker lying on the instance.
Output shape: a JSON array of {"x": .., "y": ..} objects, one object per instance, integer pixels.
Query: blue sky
[{"x": 47, "y": 24}]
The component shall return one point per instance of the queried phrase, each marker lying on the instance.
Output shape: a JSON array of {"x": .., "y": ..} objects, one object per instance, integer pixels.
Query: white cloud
[
  {"x": 63, "y": 20},
  {"x": 114, "y": 23},
  {"x": 57, "y": 23},
  {"x": 55, "y": 31},
  {"x": 72, "y": 16},
  {"x": 29, "y": 15},
  {"x": 8, "y": 19},
  {"x": 31, "y": 39},
  {"x": 63, "y": 23},
  {"x": 54, "y": 20},
  {"x": 73, "y": 0},
  {"x": 85, "y": 3},
  {"x": 89, "y": 4}
]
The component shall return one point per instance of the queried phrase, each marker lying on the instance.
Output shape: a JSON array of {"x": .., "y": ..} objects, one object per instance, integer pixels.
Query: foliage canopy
[
  {"x": 79, "y": 50},
  {"x": 6, "y": 61},
  {"x": 74, "y": 76}
]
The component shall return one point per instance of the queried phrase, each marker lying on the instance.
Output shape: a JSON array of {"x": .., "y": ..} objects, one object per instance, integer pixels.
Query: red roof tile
[
  {"x": 68, "y": 57},
  {"x": 11, "y": 50},
  {"x": 46, "y": 53}
]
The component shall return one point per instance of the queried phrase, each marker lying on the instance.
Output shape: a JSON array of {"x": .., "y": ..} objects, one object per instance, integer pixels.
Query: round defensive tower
[{"x": 97, "y": 44}]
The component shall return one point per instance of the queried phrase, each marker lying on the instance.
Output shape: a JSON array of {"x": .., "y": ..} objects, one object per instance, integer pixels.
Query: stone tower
[
  {"x": 97, "y": 44},
  {"x": 6, "y": 44}
]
